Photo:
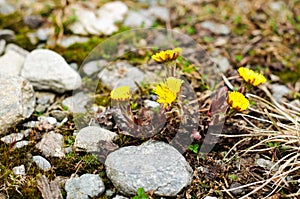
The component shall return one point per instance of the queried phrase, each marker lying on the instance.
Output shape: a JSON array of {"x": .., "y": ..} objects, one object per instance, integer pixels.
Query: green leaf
[{"x": 232, "y": 177}]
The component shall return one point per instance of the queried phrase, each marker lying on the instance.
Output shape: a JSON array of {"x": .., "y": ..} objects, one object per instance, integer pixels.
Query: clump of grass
[{"x": 273, "y": 123}]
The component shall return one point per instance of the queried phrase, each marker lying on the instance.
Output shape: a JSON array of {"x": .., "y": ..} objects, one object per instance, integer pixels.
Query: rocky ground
[{"x": 61, "y": 135}]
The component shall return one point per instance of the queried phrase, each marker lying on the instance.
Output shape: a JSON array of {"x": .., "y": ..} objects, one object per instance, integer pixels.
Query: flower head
[
  {"x": 165, "y": 95},
  {"x": 121, "y": 93},
  {"x": 167, "y": 55},
  {"x": 251, "y": 77},
  {"x": 173, "y": 84},
  {"x": 238, "y": 101},
  {"x": 167, "y": 91}
]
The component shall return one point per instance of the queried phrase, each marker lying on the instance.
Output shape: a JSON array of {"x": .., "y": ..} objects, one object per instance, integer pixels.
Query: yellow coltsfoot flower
[
  {"x": 121, "y": 93},
  {"x": 167, "y": 91},
  {"x": 251, "y": 77},
  {"x": 237, "y": 101},
  {"x": 174, "y": 84},
  {"x": 165, "y": 95},
  {"x": 167, "y": 55}
]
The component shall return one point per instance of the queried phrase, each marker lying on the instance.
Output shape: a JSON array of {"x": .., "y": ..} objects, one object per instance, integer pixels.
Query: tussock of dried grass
[{"x": 278, "y": 123}]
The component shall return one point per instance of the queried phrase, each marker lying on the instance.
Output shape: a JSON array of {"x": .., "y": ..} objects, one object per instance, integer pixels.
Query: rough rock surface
[
  {"x": 89, "y": 137},
  {"x": 41, "y": 162},
  {"x": 154, "y": 166},
  {"x": 52, "y": 144},
  {"x": 17, "y": 101},
  {"x": 120, "y": 74},
  {"x": 47, "y": 70},
  {"x": 84, "y": 187}
]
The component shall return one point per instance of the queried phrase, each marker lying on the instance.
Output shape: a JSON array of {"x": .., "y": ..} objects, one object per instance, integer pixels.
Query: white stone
[
  {"x": 17, "y": 101},
  {"x": 41, "y": 162},
  {"x": 155, "y": 166},
  {"x": 11, "y": 63},
  {"x": 13, "y": 137},
  {"x": 84, "y": 187},
  {"x": 52, "y": 144},
  {"x": 88, "y": 138},
  {"x": 47, "y": 70},
  {"x": 19, "y": 170}
]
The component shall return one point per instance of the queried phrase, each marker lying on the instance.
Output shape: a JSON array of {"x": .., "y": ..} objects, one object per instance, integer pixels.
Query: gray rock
[
  {"x": 101, "y": 22},
  {"x": 44, "y": 98},
  {"x": 89, "y": 137},
  {"x": 237, "y": 191},
  {"x": 120, "y": 74},
  {"x": 50, "y": 120},
  {"x": 222, "y": 63},
  {"x": 41, "y": 162},
  {"x": 17, "y": 49},
  {"x": 277, "y": 6},
  {"x": 13, "y": 137},
  {"x": 7, "y": 35},
  {"x": 47, "y": 70},
  {"x": 137, "y": 19},
  {"x": 2, "y": 46},
  {"x": 6, "y": 8},
  {"x": 59, "y": 115},
  {"x": 19, "y": 170},
  {"x": 52, "y": 145},
  {"x": 33, "y": 21},
  {"x": 93, "y": 66},
  {"x": 267, "y": 164},
  {"x": 279, "y": 91},
  {"x": 70, "y": 40},
  {"x": 11, "y": 63},
  {"x": 215, "y": 27},
  {"x": 159, "y": 12},
  {"x": 21, "y": 144},
  {"x": 77, "y": 103},
  {"x": 113, "y": 11},
  {"x": 84, "y": 187},
  {"x": 17, "y": 101},
  {"x": 43, "y": 33},
  {"x": 154, "y": 166}
]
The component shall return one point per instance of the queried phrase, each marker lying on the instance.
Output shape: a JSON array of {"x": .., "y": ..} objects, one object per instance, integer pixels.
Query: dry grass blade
[{"x": 273, "y": 123}]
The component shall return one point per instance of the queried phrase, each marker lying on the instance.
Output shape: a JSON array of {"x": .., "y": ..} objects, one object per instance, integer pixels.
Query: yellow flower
[
  {"x": 238, "y": 101},
  {"x": 167, "y": 91},
  {"x": 167, "y": 55},
  {"x": 121, "y": 93},
  {"x": 165, "y": 95},
  {"x": 251, "y": 77},
  {"x": 174, "y": 84}
]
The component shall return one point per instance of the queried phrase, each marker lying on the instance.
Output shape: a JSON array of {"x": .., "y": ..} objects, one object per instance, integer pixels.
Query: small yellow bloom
[
  {"x": 251, "y": 77},
  {"x": 167, "y": 91},
  {"x": 121, "y": 93},
  {"x": 165, "y": 95},
  {"x": 174, "y": 84},
  {"x": 238, "y": 101},
  {"x": 167, "y": 55}
]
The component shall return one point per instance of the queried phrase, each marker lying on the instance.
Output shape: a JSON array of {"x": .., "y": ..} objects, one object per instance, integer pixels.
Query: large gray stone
[
  {"x": 52, "y": 144},
  {"x": 89, "y": 137},
  {"x": 11, "y": 63},
  {"x": 154, "y": 166},
  {"x": 47, "y": 70},
  {"x": 84, "y": 187},
  {"x": 17, "y": 101},
  {"x": 77, "y": 103},
  {"x": 121, "y": 74}
]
